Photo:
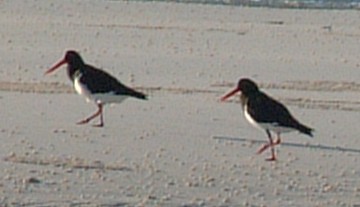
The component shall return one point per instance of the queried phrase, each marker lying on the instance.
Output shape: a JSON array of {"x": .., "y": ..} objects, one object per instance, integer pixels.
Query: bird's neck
[
  {"x": 74, "y": 71},
  {"x": 244, "y": 98}
]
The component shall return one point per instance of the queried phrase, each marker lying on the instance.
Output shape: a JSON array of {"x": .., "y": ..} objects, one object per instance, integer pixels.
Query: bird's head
[
  {"x": 245, "y": 86},
  {"x": 71, "y": 58}
]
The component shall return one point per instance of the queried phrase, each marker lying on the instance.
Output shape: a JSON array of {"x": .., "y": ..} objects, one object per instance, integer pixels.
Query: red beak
[
  {"x": 62, "y": 62},
  {"x": 231, "y": 93}
]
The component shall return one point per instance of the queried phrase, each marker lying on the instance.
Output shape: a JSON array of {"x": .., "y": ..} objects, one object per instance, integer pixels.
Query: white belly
[
  {"x": 107, "y": 98},
  {"x": 269, "y": 126}
]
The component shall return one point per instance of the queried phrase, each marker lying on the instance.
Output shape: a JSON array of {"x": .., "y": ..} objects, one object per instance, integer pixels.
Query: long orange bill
[
  {"x": 62, "y": 62},
  {"x": 231, "y": 93}
]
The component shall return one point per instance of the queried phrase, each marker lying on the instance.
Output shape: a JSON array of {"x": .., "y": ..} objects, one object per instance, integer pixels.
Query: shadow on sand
[{"x": 310, "y": 146}]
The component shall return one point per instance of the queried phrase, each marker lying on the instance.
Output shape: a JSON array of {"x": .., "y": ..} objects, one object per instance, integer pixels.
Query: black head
[
  {"x": 73, "y": 58},
  {"x": 247, "y": 86},
  {"x": 74, "y": 61}
]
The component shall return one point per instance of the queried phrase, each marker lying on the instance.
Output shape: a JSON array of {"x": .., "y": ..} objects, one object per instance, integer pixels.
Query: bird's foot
[
  {"x": 273, "y": 158},
  {"x": 98, "y": 125},
  {"x": 85, "y": 121}
]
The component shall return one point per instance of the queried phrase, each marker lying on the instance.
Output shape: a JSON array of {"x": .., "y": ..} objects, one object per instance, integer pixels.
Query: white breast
[{"x": 82, "y": 88}]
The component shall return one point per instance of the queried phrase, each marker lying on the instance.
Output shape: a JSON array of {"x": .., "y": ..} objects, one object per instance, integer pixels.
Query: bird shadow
[{"x": 289, "y": 144}]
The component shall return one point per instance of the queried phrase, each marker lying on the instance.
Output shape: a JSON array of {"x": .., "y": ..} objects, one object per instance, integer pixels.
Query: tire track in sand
[{"x": 218, "y": 89}]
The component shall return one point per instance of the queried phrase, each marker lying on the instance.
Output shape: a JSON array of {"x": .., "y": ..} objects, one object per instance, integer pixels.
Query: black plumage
[{"x": 265, "y": 109}]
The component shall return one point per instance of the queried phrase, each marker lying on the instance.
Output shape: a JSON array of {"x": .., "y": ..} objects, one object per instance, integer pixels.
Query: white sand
[{"x": 181, "y": 147}]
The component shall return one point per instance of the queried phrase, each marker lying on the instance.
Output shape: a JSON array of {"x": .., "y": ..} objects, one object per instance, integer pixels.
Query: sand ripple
[{"x": 219, "y": 88}]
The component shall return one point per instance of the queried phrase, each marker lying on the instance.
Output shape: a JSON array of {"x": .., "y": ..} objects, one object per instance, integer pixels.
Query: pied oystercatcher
[
  {"x": 95, "y": 84},
  {"x": 264, "y": 112}
]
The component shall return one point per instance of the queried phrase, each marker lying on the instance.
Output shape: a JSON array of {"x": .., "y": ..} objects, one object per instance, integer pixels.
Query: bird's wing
[
  {"x": 267, "y": 110},
  {"x": 99, "y": 81}
]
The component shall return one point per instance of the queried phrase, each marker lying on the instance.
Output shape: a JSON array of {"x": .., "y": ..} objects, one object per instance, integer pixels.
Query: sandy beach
[{"x": 182, "y": 147}]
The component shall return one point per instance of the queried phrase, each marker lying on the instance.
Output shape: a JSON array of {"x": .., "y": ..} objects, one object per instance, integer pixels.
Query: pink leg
[
  {"x": 271, "y": 144},
  {"x": 273, "y": 157},
  {"x": 96, "y": 114},
  {"x": 101, "y": 124},
  {"x": 278, "y": 140},
  {"x": 267, "y": 145},
  {"x": 263, "y": 148}
]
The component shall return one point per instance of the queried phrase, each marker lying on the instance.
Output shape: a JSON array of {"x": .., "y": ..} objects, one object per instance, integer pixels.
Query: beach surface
[{"x": 182, "y": 147}]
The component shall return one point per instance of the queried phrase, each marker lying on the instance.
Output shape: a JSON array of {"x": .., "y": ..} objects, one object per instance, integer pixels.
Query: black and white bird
[
  {"x": 264, "y": 112},
  {"x": 95, "y": 84}
]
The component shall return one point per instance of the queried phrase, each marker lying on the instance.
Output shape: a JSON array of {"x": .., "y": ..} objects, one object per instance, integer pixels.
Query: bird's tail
[
  {"x": 138, "y": 95},
  {"x": 304, "y": 129}
]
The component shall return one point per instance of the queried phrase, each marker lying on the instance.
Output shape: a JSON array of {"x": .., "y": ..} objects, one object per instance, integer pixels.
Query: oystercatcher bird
[
  {"x": 96, "y": 85},
  {"x": 264, "y": 112}
]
